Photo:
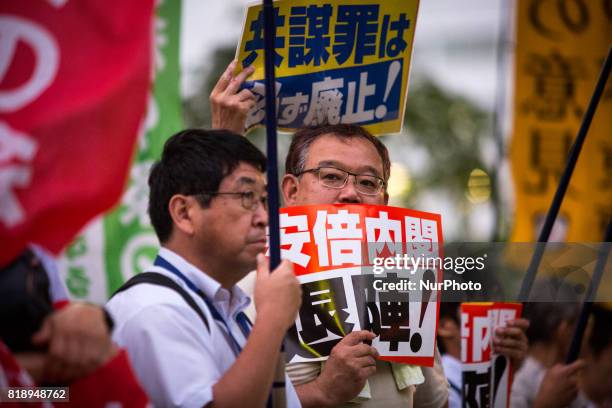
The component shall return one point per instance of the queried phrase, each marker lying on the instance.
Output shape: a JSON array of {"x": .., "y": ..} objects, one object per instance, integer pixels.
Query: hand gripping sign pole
[
  {"x": 602, "y": 258},
  {"x": 553, "y": 211},
  {"x": 277, "y": 398}
]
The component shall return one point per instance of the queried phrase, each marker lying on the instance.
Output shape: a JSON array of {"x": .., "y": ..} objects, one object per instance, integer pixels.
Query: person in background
[
  {"x": 449, "y": 341},
  {"x": 595, "y": 380},
  {"x": 47, "y": 340},
  {"x": 545, "y": 380},
  {"x": 587, "y": 382}
]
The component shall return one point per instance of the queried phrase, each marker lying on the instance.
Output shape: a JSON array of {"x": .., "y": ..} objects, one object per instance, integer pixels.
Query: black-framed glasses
[
  {"x": 334, "y": 177},
  {"x": 250, "y": 200}
]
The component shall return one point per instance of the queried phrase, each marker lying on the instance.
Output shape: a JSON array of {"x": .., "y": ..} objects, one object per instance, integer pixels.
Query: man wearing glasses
[
  {"x": 182, "y": 321},
  {"x": 345, "y": 164},
  {"x": 321, "y": 161}
]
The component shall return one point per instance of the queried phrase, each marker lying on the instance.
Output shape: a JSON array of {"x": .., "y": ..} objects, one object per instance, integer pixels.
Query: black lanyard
[{"x": 241, "y": 318}]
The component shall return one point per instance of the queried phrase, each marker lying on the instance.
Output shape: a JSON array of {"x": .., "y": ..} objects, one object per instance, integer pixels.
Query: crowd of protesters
[{"x": 178, "y": 335}]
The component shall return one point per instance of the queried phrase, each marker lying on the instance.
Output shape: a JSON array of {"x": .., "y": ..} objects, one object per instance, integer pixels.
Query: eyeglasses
[
  {"x": 250, "y": 200},
  {"x": 333, "y": 177}
]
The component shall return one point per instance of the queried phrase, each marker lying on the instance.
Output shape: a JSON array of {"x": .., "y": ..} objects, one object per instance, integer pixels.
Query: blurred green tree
[{"x": 453, "y": 131}]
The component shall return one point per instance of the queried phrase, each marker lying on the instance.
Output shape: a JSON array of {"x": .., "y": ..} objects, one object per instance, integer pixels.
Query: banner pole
[
  {"x": 278, "y": 396},
  {"x": 553, "y": 211},
  {"x": 589, "y": 298},
  {"x": 271, "y": 146}
]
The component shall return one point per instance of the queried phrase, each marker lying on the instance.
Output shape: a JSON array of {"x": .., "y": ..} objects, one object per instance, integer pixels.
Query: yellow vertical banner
[{"x": 560, "y": 48}]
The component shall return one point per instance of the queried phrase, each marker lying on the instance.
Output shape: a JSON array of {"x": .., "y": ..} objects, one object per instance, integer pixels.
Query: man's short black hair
[{"x": 195, "y": 161}]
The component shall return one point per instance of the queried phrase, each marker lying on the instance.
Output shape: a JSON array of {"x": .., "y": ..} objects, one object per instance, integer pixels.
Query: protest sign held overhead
[
  {"x": 339, "y": 61},
  {"x": 74, "y": 78},
  {"x": 486, "y": 376},
  {"x": 336, "y": 251}
]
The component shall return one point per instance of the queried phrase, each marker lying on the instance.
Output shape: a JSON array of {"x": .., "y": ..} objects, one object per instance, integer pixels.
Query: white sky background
[{"x": 455, "y": 45}]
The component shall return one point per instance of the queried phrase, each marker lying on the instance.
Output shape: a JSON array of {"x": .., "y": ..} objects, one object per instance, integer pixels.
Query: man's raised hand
[{"x": 229, "y": 105}]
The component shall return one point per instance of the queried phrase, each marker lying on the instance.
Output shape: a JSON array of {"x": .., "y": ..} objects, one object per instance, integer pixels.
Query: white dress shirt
[
  {"x": 175, "y": 357},
  {"x": 452, "y": 368}
]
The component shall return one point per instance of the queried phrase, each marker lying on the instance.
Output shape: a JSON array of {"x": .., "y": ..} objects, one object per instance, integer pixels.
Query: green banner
[{"x": 122, "y": 243}]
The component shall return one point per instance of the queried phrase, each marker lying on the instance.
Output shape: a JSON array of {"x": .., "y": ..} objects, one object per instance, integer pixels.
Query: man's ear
[
  {"x": 290, "y": 187},
  {"x": 180, "y": 208},
  {"x": 386, "y": 198}
]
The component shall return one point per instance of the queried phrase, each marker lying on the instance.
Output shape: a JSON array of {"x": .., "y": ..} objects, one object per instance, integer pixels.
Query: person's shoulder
[
  {"x": 147, "y": 300},
  {"x": 529, "y": 369},
  {"x": 144, "y": 294},
  {"x": 450, "y": 364},
  {"x": 526, "y": 383}
]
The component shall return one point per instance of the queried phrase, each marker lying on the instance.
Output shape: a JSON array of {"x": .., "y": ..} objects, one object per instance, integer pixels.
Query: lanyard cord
[{"x": 241, "y": 318}]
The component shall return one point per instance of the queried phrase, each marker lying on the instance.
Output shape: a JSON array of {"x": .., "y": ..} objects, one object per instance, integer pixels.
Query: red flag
[{"x": 74, "y": 77}]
